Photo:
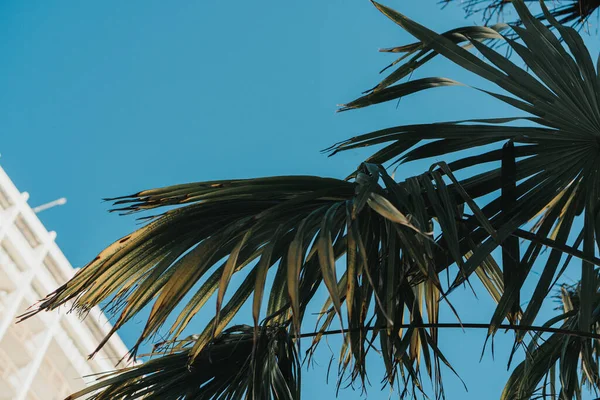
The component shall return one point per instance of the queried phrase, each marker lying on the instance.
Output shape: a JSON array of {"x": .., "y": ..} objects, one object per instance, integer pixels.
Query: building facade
[{"x": 45, "y": 357}]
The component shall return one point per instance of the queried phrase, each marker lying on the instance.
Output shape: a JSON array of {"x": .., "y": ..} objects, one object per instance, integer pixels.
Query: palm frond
[
  {"x": 558, "y": 366},
  {"x": 568, "y": 12},
  {"x": 235, "y": 364},
  {"x": 556, "y": 153},
  {"x": 300, "y": 225},
  {"x": 219, "y": 229},
  {"x": 421, "y": 52}
]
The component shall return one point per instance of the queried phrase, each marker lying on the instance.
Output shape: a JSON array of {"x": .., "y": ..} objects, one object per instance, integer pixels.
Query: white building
[{"x": 45, "y": 357}]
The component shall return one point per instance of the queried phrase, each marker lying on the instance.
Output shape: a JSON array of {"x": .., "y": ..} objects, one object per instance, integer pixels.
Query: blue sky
[{"x": 101, "y": 99}]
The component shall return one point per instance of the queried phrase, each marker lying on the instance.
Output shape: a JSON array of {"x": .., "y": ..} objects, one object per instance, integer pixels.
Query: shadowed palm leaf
[
  {"x": 226, "y": 368},
  {"x": 565, "y": 356},
  {"x": 557, "y": 152},
  {"x": 567, "y": 12}
]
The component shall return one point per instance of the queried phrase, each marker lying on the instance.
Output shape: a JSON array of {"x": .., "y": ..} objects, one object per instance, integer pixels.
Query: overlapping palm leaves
[
  {"x": 264, "y": 364},
  {"x": 567, "y": 12},
  {"x": 556, "y": 154},
  {"x": 546, "y": 171},
  {"x": 301, "y": 225},
  {"x": 553, "y": 365}
]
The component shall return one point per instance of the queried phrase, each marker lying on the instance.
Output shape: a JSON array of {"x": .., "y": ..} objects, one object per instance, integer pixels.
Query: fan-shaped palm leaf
[
  {"x": 557, "y": 153},
  {"x": 574, "y": 359}
]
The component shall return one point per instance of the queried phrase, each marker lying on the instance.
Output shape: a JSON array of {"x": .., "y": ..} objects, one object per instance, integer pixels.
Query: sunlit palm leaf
[{"x": 187, "y": 249}]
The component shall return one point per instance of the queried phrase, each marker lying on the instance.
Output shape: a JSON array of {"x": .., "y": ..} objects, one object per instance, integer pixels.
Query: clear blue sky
[{"x": 101, "y": 99}]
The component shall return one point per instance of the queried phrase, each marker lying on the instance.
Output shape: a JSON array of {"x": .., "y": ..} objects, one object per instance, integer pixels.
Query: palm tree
[{"x": 380, "y": 247}]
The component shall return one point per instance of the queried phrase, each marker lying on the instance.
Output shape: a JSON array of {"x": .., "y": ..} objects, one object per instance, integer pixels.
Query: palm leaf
[
  {"x": 215, "y": 231},
  {"x": 573, "y": 359},
  {"x": 568, "y": 12},
  {"x": 233, "y": 365},
  {"x": 556, "y": 152}
]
